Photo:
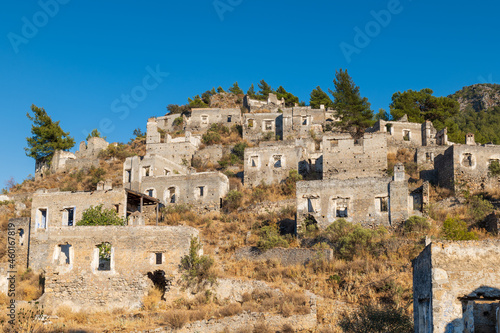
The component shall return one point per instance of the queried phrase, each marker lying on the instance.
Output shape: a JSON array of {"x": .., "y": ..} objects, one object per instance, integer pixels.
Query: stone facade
[
  {"x": 286, "y": 257},
  {"x": 202, "y": 118},
  {"x": 370, "y": 200},
  {"x": 298, "y": 122},
  {"x": 259, "y": 126},
  {"x": 77, "y": 276},
  {"x": 272, "y": 104},
  {"x": 466, "y": 167},
  {"x": 179, "y": 150},
  {"x": 456, "y": 287},
  {"x": 203, "y": 190},
  {"x": 346, "y": 158},
  {"x": 272, "y": 164}
]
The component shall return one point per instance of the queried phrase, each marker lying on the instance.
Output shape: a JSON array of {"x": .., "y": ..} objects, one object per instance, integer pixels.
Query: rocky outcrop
[{"x": 478, "y": 97}]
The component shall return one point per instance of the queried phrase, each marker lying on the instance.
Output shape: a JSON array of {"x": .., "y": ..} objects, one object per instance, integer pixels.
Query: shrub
[
  {"x": 96, "y": 175},
  {"x": 456, "y": 229},
  {"x": 100, "y": 216},
  {"x": 269, "y": 136},
  {"x": 239, "y": 150},
  {"x": 269, "y": 237},
  {"x": 416, "y": 224},
  {"x": 478, "y": 207},
  {"x": 352, "y": 239},
  {"x": 289, "y": 185},
  {"x": 233, "y": 200},
  {"x": 211, "y": 138},
  {"x": 197, "y": 268},
  {"x": 178, "y": 121},
  {"x": 494, "y": 168},
  {"x": 374, "y": 319},
  {"x": 118, "y": 151}
]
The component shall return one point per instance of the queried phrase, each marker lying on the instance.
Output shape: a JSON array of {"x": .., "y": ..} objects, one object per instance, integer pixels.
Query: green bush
[
  {"x": 239, "y": 150},
  {"x": 456, "y": 229},
  {"x": 289, "y": 185},
  {"x": 233, "y": 200},
  {"x": 416, "y": 224},
  {"x": 118, "y": 151},
  {"x": 478, "y": 208},
  {"x": 99, "y": 216},
  {"x": 374, "y": 319},
  {"x": 269, "y": 237},
  {"x": 269, "y": 136},
  {"x": 494, "y": 168},
  {"x": 197, "y": 268},
  {"x": 178, "y": 121},
  {"x": 353, "y": 239}
]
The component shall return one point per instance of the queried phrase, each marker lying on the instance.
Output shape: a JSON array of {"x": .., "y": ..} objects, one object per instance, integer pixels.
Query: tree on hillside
[
  {"x": 319, "y": 97},
  {"x": 207, "y": 95},
  {"x": 382, "y": 114},
  {"x": 182, "y": 109},
  {"x": 290, "y": 99},
  {"x": 251, "y": 92},
  {"x": 47, "y": 136},
  {"x": 235, "y": 89},
  {"x": 420, "y": 106},
  {"x": 220, "y": 90},
  {"x": 353, "y": 111},
  {"x": 197, "y": 102},
  {"x": 94, "y": 134},
  {"x": 265, "y": 90}
]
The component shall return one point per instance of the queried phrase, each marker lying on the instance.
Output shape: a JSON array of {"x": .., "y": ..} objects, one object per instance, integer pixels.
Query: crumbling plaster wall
[
  {"x": 202, "y": 118},
  {"x": 452, "y": 274},
  {"x": 299, "y": 121},
  {"x": 82, "y": 286},
  {"x": 257, "y": 125}
]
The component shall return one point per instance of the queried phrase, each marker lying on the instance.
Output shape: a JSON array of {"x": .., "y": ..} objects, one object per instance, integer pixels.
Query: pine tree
[
  {"x": 290, "y": 99},
  {"x": 235, "y": 89},
  {"x": 94, "y": 134},
  {"x": 251, "y": 92},
  {"x": 353, "y": 111},
  {"x": 265, "y": 90},
  {"x": 220, "y": 90},
  {"x": 47, "y": 138},
  {"x": 318, "y": 98}
]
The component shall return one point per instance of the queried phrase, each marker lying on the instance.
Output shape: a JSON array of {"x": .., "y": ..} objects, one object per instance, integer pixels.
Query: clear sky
[{"x": 81, "y": 59}]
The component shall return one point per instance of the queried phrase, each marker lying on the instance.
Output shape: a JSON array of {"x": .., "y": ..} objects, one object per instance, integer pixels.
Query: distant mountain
[{"x": 478, "y": 97}]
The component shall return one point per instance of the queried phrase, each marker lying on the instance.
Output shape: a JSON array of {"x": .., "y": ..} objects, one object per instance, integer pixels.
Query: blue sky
[{"x": 80, "y": 59}]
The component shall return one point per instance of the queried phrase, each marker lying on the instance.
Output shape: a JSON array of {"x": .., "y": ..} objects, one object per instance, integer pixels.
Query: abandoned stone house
[
  {"x": 271, "y": 164},
  {"x": 173, "y": 184},
  {"x": 345, "y": 157},
  {"x": 369, "y": 200},
  {"x": 202, "y": 118},
  {"x": 86, "y": 157},
  {"x": 272, "y": 104},
  {"x": 456, "y": 287},
  {"x": 179, "y": 150},
  {"x": 299, "y": 122},
  {"x": 262, "y": 126},
  {"x": 467, "y": 166}
]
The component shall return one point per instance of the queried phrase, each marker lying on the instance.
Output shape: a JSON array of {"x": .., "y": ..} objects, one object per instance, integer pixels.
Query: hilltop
[{"x": 478, "y": 97}]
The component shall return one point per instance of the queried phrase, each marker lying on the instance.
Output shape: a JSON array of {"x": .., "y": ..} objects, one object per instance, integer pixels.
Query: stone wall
[
  {"x": 466, "y": 167},
  {"x": 51, "y": 209},
  {"x": 272, "y": 164},
  {"x": 287, "y": 257},
  {"x": 346, "y": 158},
  {"x": 269, "y": 206},
  {"x": 457, "y": 287},
  {"x": 257, "y": 125},
  {"x": 73, "y": 275},
  {"x": 202, "y": 118},
  {"x": 298, "y": 122},
  {"x": 204, "y": 189},
  {"x": 91, "y": 148},
  {"x": 178, "y": 150},
  {"x": 210, "y": 155}
]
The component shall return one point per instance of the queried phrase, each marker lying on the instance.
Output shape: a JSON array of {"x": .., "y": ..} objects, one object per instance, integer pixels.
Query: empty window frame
[
  {"x": 254, "y": 161},
  {"x": 104, "y": 256},
  {"x": 21, "y": 236},
  {"x": 159, "y": 258},
  {"x": 229, "y": 118},
  {"x": 277, "y": 160},
  {"x": 383, "y": 204},
  {"x": 268, "y": 125},
  {"x": 42, "y": 217},
  {"x": 200, "y": 190},
  {"x": 150, "y": 192},
  {"x": 166, "y": 172},
  {"x": 63, "y": 257},
  {"x": 406, "y": 135},
  {"x": 304, "y": 121},
  {"x": 146, "y": 171},
  {"x": 204, "y": 119},
  {"x": 467, "y": 160},
  {"x": 69, "y": 216},
  {"x": 171, "y": 195},
  {"x": 250, "y": 123},
  {"x": 342, "y": 207},
  {"x": 128, "y": 176},
  {"x": 311, "y": 205}
]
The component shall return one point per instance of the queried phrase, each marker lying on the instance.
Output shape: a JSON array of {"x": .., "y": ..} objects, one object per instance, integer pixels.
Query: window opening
[
  {"x": 342, "y": 206},
  {"x": 406, "y": 135},
  {"x": 171, "y": 196},
  {"x": 277, "y": 161},
  {"x": 268, "y": 125},
  {"x": 159, "y": 258},
  {"x": 228, "y": 119},
  {"x": 104, "y": 256},
  {"x": 250, "y": 123},
  {"x": 254, "y": 161},
  {"x": 63, "y": 258}
]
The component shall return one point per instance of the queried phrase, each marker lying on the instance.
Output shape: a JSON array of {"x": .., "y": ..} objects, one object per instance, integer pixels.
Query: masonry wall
[
  {"x": 202, "y": 118},
  {"x": 345, "y": 158},
  {"x": 466, "y": 166},
  {"x": 77, "y": 282},
  {"x": 135, "y": 168},
  {"x": 464, "y": 286},
  {"x": 299, "y": 121},
  {"x": 254, "y": 125},
  {"x": 56, "y": 204},
  {"x": 185, "y": 189},
  {"x": 271, "y": 164},
  {"x": 322, "y": 198},
  {"x": 179, "y": 152}
]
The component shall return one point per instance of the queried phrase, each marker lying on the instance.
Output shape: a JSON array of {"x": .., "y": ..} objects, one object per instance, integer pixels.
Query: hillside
[{"x": 478, "y": 97}]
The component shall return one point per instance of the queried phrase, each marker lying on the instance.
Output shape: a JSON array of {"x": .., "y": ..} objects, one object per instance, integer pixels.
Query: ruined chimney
[
  {"x": 469, "y": 139},
  {"x": 100, "y": 186},
  {"x": 399, "y": 172},
  {"x": 108, "y": 185}
]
